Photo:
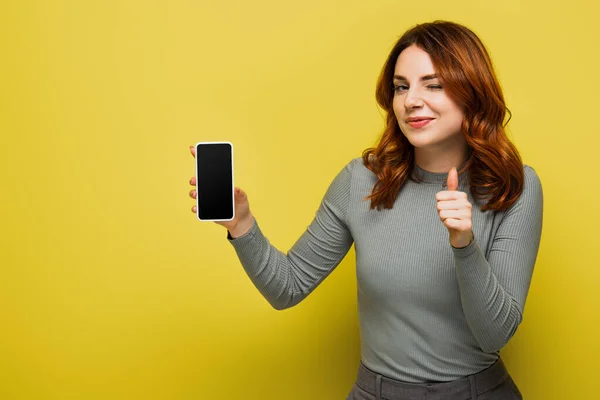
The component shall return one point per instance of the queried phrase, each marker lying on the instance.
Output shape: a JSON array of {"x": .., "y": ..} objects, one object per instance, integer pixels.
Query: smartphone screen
[{"x": 214, "y": 181}]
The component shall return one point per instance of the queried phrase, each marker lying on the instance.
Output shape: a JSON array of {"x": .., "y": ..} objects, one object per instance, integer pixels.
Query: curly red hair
[{"x": 495, "y": 169}]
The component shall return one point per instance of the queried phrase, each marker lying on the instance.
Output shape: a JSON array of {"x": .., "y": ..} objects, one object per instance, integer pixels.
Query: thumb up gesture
[{"x": 454, "y": 210}]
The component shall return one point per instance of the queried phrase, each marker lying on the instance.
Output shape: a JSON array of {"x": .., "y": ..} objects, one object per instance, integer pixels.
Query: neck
[{"x": 441, "y": 160}]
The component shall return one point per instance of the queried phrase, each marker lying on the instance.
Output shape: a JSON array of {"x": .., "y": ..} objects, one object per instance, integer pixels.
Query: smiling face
[{"x": 430, "y": 120}]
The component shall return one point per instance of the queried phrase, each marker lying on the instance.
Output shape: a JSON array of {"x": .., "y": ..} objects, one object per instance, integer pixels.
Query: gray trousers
[{"x": 493, "y": 383}]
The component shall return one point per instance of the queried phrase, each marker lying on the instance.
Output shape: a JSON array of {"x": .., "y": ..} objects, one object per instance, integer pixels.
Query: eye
[
  {"x": 435, "y": 87},
  {"x": 399, "y": 88}
]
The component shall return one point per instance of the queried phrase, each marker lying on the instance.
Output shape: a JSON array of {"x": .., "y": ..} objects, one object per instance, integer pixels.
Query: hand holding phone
[{"x": 214, "y": 191}]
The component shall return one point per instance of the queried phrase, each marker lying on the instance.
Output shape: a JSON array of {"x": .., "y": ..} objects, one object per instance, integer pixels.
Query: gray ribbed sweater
[{"x": 428, "y": 312}]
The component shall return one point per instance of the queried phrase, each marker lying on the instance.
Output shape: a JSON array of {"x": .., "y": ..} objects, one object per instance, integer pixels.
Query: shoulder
[
  {"x": 356, "y": 161},
  {"x": 360, "y": 173},
  {"x": 530, "y": 172},
  {"x": 531, "y": 198},
  {"x": 357, "y": 165},
  {"x": 352, "y": 167},
  {"x": 354, "y": 174},
  {"x": 532, "y": 186},
  {"x": 343, "y": 179}
]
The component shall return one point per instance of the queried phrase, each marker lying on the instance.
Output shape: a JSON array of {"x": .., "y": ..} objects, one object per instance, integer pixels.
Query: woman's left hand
[{"x": 454, "y": 210}]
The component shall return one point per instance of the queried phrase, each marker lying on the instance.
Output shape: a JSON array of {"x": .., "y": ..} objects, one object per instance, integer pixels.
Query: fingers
[
  {"x": 454, "y": 214},
  {"x": 452, "y": 180},
  {"x": 453, "y": 223},
  {"x": 193, "y": 179},
  {"x": 450, "y": 195},
  {"x": 193, "y": 193},
  {"x": 240, "y": 195},
  {"x": 457, "y": 221},
  {"x": 453, "y": 204}
]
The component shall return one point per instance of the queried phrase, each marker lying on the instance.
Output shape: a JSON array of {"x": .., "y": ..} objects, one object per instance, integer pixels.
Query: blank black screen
[{"x": 214, "y": 181}]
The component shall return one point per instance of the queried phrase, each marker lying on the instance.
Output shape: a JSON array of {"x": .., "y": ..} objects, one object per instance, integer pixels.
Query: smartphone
[{"x": 214, "y": 181}]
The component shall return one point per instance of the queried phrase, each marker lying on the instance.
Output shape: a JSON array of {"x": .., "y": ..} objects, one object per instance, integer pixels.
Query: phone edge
[{"x": 232, "y": 183}]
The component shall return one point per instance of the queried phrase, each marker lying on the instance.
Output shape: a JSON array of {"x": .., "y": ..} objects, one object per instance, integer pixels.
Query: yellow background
[{"x": 110, "y": 288}]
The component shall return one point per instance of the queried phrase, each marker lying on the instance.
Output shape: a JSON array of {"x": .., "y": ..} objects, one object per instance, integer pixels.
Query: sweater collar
[{"x": 438, "y": 177}]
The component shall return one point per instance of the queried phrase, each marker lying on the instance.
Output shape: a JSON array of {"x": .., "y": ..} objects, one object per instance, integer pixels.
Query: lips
[
  {"x": 419, "y": 123},
  {"x": 417, "y": 119}
]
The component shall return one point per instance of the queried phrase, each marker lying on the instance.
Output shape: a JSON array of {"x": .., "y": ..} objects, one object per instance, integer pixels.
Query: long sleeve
[
  {"x": 493, "y": 291},
  {"x": 286, "y": 279}
]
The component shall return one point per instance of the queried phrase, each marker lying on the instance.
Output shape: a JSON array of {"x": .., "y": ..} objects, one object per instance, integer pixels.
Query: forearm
[
  {"x": 267, "y": 267},
  {"x": 285, "y": 280},
  {"x": 491, "y": 312}
]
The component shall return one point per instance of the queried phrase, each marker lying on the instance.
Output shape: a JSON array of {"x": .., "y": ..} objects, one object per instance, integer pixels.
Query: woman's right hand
[{"x": 243, "y": 220}]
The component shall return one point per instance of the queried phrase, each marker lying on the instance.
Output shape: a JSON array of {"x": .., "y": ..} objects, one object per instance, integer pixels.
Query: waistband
[{"x": 471, "y": 385}]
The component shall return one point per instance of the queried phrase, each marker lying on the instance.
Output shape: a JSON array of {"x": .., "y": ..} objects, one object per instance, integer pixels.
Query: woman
[{"x": 444, "y": 255}]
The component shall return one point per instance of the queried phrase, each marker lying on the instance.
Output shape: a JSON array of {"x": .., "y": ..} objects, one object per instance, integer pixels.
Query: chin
[{"x": 418, "y": 138}]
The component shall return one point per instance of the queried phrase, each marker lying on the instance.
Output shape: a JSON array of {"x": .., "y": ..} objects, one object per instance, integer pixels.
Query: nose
[{"x": 412, "y": 99}]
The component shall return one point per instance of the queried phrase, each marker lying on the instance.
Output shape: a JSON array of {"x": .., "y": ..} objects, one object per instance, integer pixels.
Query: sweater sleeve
[
  {"x": 493, "y": 290},
  {"x": 286, "y": 279}
]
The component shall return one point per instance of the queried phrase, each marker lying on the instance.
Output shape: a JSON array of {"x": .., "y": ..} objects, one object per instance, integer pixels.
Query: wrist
[
  {"x": 462, "y": 245},
  {"x": 242, "y": 227}
]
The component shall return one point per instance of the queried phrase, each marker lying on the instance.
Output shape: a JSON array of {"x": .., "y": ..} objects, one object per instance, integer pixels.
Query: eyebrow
[{"x": 423, "y": 78}]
